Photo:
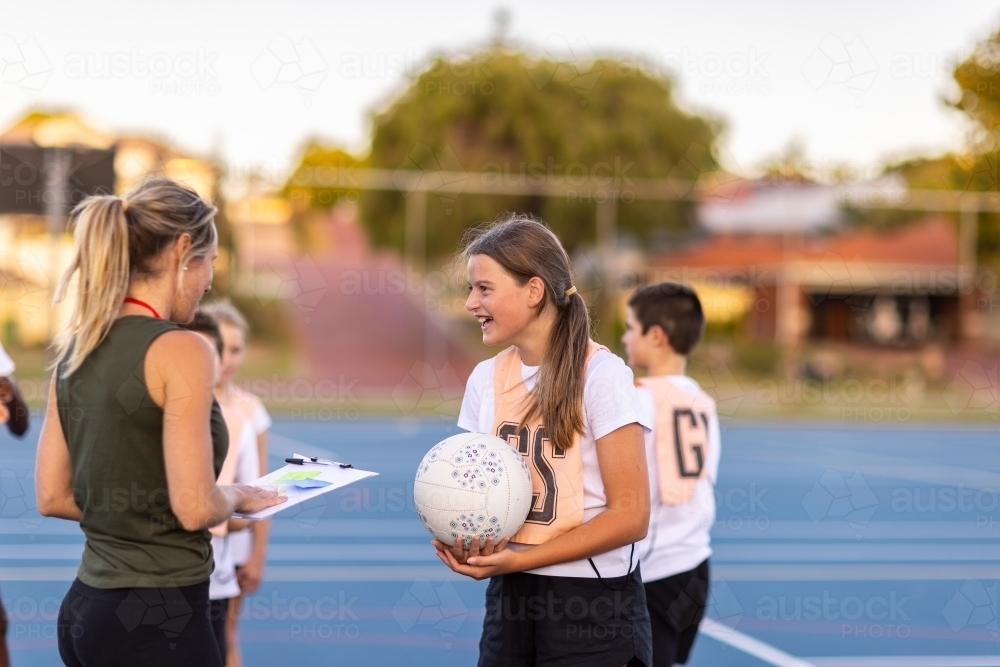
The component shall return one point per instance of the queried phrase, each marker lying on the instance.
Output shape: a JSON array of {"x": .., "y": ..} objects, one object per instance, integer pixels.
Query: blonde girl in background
[
  {"x": 240, "y": 465},
  {"x": 245, "y": 414}
]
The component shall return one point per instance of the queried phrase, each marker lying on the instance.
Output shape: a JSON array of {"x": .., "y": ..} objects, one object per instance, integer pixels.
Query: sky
[{"x": 853, "y": 82}]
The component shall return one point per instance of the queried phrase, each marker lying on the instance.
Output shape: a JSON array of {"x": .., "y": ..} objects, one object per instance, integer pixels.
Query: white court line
[
  {"x": 283, "y": 572},
  {"x": 42, "y": 551},
  {"x": 37, "y": 573},
  {"x": 857, "y": 572},
  {"x": 749, "y": 567},
  {"x": 289, "y": 573},
  {"x": 276, "y": 552},
  {"x": 362, "y": 573},
  {"x": 907, "y": 661},
  {"x": 856, "y": 552},
  {"x": 758, "y": 649},
  {"x": 371, "y": 523},
  {"x": 979, "y": 527}
]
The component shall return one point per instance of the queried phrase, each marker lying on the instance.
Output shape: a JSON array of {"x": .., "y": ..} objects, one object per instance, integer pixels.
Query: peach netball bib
[
  {"x": 681, "y": 437},
  {"x": 556, "y": 474}
]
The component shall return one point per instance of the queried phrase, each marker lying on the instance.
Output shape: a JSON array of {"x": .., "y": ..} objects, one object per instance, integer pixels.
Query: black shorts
[
  {"x": 125, "y": 627},
  {"x": 541, "y": 621},
  {"x": 218, "y": 612},
  {"x": 676, "y": 607}
]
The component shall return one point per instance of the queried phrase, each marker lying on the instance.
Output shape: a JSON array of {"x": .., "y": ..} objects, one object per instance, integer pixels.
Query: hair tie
[
  {"x": 571, "y": 291},
  {"x": 124, "y": 203}
]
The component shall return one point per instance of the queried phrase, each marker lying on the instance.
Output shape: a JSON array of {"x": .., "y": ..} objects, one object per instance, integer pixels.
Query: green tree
[
  {"x": 523, "y": 119},
  {"x": 978, "y": 167},
  {"x": 978, "y": 79},
  {"x": 321, "y": 178}
]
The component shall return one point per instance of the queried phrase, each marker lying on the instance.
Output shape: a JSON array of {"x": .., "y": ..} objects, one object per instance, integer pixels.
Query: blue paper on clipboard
[{"x": 309, "y": 483}]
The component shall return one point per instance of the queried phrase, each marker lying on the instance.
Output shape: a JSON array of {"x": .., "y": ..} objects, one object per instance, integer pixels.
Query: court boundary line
[
  {"x": 906, "y": 661},
  {"x": 750, "y": 645}
]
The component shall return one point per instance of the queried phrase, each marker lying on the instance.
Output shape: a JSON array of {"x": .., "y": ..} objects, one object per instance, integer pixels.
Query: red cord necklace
[{"x": 145, "y": 305}]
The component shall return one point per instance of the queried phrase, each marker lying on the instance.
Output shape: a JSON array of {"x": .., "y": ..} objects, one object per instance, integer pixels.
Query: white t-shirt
[
  {"x": 678, "y": 537},
  {"x": 261, "y": 420},
  {"x": 7, "y": 366},
  {"x": 609, "y": 402},
  {"x": 222, "y": 583},
  {"x": 248, "y": 470}
]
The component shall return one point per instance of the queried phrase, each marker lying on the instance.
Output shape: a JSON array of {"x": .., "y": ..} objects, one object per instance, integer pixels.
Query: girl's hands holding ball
[{"x": 478, "y": 562}]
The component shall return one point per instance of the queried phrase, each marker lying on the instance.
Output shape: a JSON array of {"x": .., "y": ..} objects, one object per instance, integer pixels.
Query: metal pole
[
  {"x": 970, "y": 325},
  {"x": 57, "y": 168},
  {"x": 415, "y": 242},
  {"x": 607, "y": 248},
  {"x": 415, "y": 232}
]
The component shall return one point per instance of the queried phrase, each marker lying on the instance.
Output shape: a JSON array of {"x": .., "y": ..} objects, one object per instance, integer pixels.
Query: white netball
[{"x": 472, "y": 484}]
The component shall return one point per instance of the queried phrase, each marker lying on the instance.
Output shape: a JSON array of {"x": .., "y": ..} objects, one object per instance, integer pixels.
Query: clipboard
[{"x": 304, "y": 482}]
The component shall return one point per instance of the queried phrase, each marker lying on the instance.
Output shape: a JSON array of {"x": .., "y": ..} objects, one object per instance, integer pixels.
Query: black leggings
[{"x": 124, "y": 627}]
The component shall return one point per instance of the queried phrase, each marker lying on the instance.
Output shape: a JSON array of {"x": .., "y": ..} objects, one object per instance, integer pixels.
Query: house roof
[
  {"x": 55, "y": 129},
  {"x": 784, "y": 206},
  {"x": 928, "y": 243}
]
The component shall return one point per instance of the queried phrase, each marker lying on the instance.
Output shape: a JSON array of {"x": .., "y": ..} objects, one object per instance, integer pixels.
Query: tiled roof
[{"x": 929, "y": 242}]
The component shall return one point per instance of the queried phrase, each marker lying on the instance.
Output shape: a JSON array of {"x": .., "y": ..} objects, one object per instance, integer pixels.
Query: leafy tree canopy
[
  {"x": 978, "y": 79},
  {"x": 524, "y": 120}
]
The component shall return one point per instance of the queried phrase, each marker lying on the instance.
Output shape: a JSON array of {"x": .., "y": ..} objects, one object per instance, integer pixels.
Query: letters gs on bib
[{"x": 532, "y": 446}]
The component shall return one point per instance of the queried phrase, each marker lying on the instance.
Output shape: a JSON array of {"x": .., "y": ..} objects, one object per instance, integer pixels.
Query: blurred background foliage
[{"x": 524, "y": 119}]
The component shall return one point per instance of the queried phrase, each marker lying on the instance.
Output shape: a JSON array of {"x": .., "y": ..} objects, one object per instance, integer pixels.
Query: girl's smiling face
[{"x": 504, "y": 308}]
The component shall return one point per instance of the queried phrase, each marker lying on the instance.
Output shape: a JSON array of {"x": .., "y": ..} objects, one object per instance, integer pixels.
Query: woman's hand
[
  {"x": 256, "y": 498},
  {"x": 478, "y": 562},
  {"x": 4, "y": 413}
]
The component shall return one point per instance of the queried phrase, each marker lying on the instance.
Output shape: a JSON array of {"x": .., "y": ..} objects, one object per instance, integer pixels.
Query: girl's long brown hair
[{"x": 526, "y": 248}]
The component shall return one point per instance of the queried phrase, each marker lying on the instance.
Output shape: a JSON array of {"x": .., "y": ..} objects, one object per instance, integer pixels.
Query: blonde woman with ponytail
[
  {"x": 566, "y": 589},
  {"x": 133, "y": 440}
]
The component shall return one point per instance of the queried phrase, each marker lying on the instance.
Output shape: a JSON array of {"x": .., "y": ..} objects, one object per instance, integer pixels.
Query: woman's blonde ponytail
[
  {"x": 101, "y": 262},
  {"x": 116, "y": 241}
]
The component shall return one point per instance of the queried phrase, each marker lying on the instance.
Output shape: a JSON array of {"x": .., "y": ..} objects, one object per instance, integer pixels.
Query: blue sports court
[{"x": 834, "y": 545}]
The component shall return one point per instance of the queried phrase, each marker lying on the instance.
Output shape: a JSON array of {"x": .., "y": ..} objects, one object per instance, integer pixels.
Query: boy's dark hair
[
  {"x": 206, "y": 324},
  {"x": 673, "y": 307}
]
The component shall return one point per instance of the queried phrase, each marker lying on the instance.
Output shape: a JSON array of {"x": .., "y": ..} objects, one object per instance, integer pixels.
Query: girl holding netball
[{"x": 566, "y": 589}]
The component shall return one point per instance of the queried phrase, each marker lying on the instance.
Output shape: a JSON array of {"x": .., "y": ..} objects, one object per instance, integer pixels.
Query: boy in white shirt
[{"x": 663, "y": 324}]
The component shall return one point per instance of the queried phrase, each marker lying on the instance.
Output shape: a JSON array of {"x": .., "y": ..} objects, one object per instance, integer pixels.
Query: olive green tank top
[{"x": 114, "y": 431}]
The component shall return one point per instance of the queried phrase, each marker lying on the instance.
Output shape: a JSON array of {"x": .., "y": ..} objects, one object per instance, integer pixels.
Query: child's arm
[
  {"x": 622, "y": 459},
  {"x": 237, "y": 524}
]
